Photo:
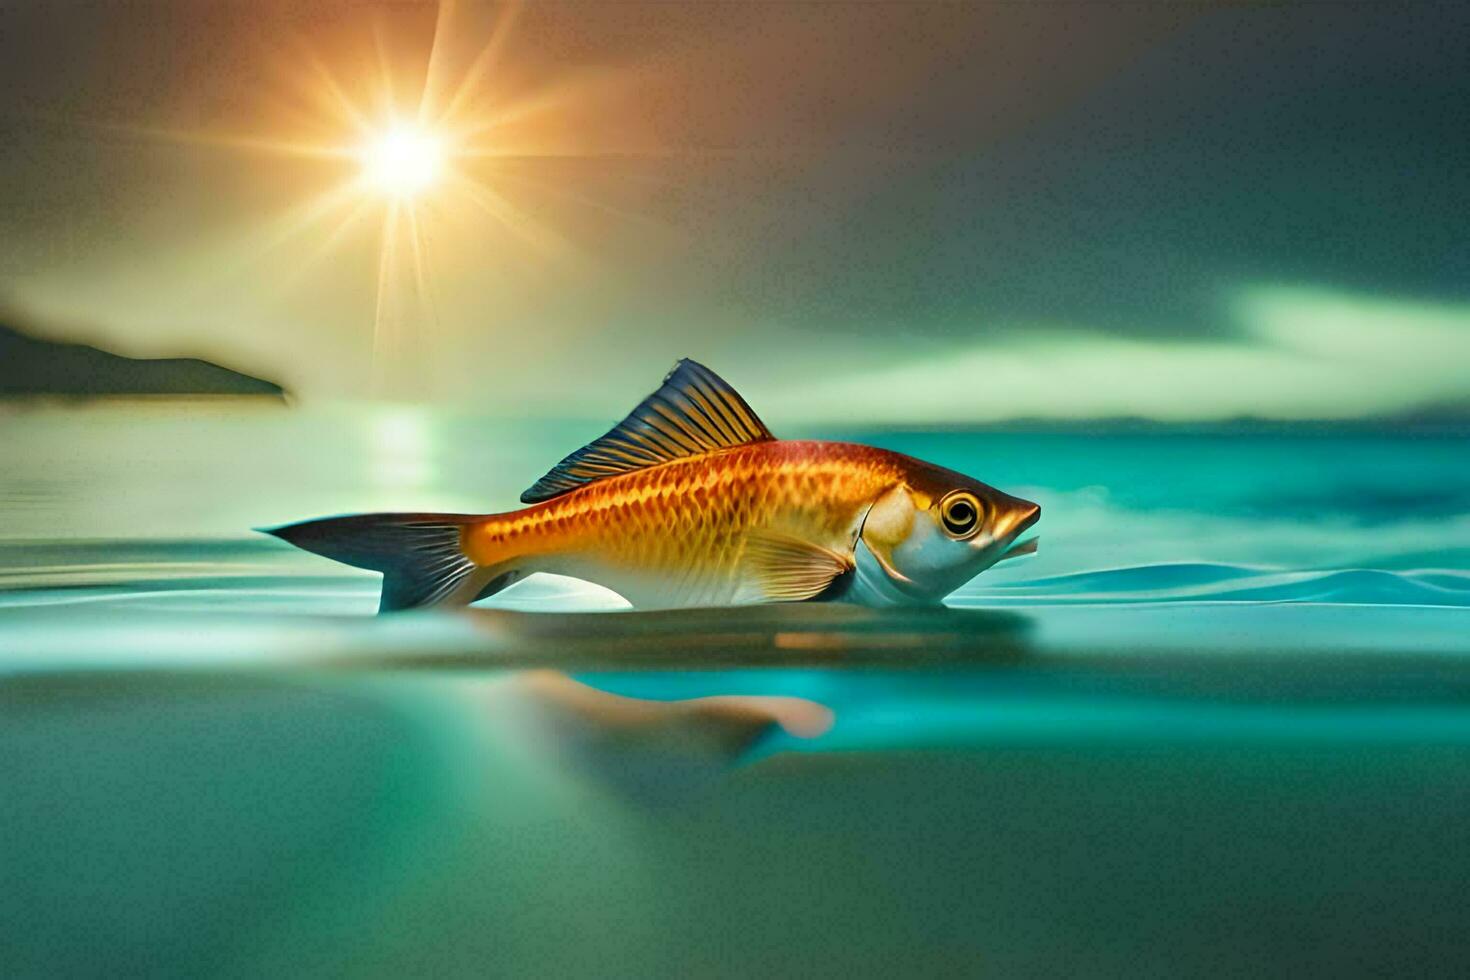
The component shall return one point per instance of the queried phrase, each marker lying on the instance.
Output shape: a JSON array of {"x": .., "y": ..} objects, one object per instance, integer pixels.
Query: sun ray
[
  {"x": 330, "y": 94},
  {"x": 207, "y": 139},
  {"x": 416, "y": 251},
  {"x": 509, "y": 217},
  {"x": 308, "y": 263},
  {"x": 302, "y": 218},
  {"x": 582, "y": 199},
  {"x": 471, "y": 80},
  {"x": 387, "y": 262},
  {"x": 434, "y": 64},
  {"x": 387, "y": 94},
  {"x": 423, "y": 281},
  {"x": 491, "y": 111},
  {"x": 240, "y": 262}
]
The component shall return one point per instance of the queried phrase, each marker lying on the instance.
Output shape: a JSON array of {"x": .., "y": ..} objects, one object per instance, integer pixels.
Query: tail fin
[{"x": 419, "y": 554}]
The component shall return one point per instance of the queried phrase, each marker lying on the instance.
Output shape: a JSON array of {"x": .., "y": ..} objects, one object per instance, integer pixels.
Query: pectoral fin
[{"x": 785, "y": 568}]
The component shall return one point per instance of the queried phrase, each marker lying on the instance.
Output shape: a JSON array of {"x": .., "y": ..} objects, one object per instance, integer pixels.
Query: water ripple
[{"x": 1205, "y": 582}]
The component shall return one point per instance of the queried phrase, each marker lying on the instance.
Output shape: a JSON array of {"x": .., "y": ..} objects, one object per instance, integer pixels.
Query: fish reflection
[
  {"x": 659, "y": 750},
  {"x": 641, "y": 749}
]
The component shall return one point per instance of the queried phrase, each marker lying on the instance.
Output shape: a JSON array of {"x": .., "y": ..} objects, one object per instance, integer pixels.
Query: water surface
[{"x": 1218, "y": 724}]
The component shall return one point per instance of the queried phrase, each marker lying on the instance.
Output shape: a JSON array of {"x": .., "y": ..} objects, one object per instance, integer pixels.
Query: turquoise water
[{"x": 1219, "y": 724}]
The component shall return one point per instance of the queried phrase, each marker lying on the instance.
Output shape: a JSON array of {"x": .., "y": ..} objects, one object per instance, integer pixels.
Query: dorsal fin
[{"x": 693, "y": 412}]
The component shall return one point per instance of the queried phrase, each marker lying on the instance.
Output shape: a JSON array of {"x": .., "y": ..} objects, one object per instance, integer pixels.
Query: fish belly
[{"x": 668, "y": 556}]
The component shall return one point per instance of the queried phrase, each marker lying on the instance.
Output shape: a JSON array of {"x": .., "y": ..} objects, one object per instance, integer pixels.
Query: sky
[{"x": 909, "y": 212}]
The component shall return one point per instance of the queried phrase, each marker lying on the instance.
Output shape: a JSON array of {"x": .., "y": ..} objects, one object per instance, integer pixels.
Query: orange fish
[{"x": 690, "y": 501}]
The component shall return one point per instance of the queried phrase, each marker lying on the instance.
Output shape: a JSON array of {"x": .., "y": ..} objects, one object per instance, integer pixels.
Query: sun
[
  {"x": 402, "y": 160},
  {"x": 413, "y": 148}
]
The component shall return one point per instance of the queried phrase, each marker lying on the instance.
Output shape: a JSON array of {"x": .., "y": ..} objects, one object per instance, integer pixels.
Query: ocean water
[{"x": 1219, "y": 724}]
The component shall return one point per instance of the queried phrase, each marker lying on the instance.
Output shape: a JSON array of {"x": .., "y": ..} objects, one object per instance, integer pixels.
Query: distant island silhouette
[{"x": 33, "y": 366}]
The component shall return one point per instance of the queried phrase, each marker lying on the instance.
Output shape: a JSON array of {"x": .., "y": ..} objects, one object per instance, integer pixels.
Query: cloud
[{"x": 1300, "y": 353}]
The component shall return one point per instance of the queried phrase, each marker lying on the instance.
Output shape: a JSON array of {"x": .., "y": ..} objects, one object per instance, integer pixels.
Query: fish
[{"x": 690, "y": 501}]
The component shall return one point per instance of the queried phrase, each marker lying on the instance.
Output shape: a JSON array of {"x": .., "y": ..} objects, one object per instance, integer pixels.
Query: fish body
[
  {"x": 691, "y": 502},
  {"x": 681, "y": 534}
]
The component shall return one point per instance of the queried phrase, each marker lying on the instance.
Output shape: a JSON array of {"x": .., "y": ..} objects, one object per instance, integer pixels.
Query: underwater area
[{"x": 1219, "y": 724}]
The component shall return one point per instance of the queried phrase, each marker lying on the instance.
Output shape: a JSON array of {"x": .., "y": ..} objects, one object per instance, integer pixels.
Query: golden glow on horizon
[{"x": 403, "y": 160}]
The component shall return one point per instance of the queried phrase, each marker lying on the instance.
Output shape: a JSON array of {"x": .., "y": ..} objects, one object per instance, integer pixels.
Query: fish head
[{"x": 933, "y": 532}]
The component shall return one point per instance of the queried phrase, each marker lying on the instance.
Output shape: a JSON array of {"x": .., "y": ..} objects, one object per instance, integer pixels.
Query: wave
[{"x": 1204, "y": 582}]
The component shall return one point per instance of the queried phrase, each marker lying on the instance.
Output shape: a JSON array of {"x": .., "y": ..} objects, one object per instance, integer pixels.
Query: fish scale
[{"x": 687, "y": 522}]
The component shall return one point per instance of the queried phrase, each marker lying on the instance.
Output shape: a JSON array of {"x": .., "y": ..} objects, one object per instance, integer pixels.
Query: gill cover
[{"x": 877, "y": 579}]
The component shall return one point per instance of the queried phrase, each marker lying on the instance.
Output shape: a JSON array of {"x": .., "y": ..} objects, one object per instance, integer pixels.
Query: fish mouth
[
  {"x": 1024, "y": 546},
  {"x": 1021, "y": 548},
  {"x": 1032, "y": 516},
  {"x": 1012, "y": 523}
]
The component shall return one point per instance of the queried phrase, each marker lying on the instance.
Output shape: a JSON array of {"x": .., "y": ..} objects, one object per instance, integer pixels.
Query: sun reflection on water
[{"x": 402, "y": 447}]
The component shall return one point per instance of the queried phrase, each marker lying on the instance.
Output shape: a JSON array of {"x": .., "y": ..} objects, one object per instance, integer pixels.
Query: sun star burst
[
  {"x": 403, "y": 160},
  {"x": 415, "y": 137}
]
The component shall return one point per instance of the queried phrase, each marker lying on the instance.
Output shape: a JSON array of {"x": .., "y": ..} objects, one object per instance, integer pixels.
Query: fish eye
[{"x": 960, "y": 513}]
